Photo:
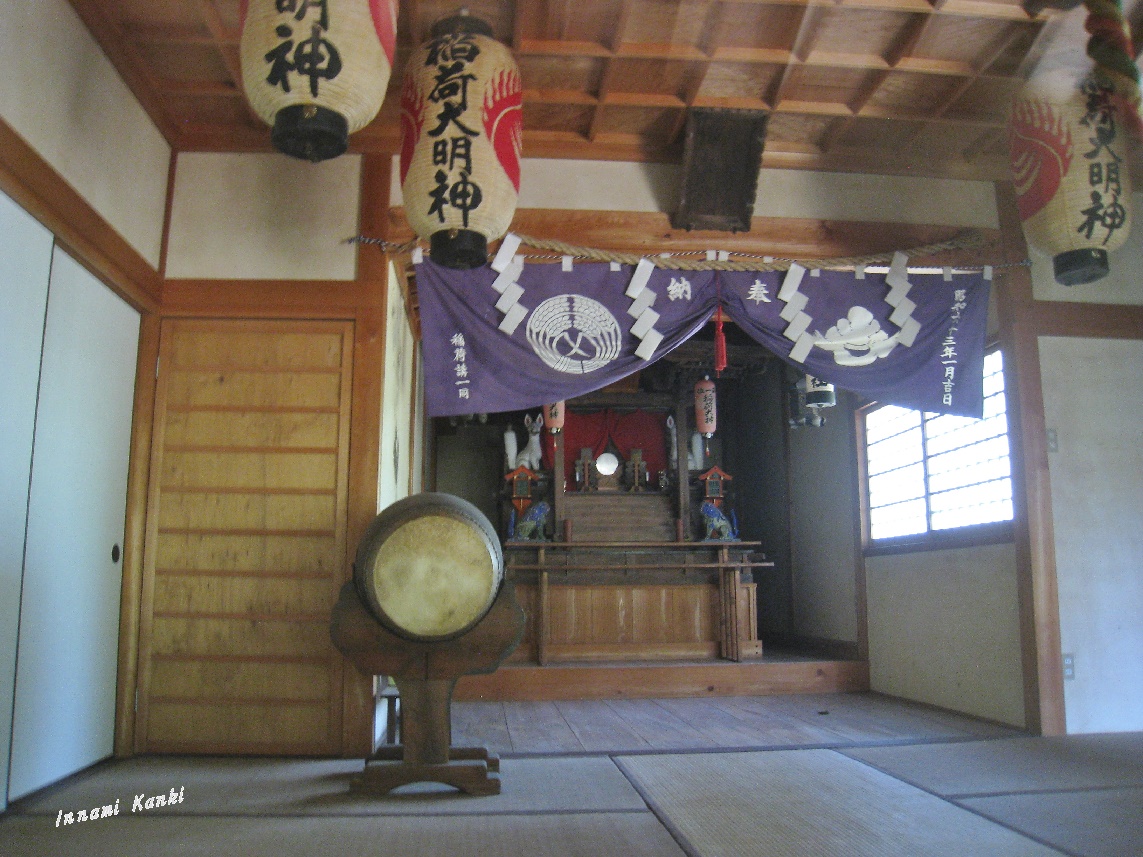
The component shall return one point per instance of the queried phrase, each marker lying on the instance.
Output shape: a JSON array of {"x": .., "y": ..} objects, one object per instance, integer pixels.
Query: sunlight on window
[{"x": 935, "y": 471}]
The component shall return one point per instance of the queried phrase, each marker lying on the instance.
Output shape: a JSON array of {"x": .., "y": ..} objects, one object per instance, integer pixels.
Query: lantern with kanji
[
  {"x": 461, "y": 129},
  {"x": 316, "y": 71},
  {"x": 554, "y": 417},
  {"x": 1068, "y": 144},
  {"x": 706, "y": 412}
]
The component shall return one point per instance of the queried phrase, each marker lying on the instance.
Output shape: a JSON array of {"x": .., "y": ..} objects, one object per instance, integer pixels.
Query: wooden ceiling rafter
[{"x": 849, "y": 84}]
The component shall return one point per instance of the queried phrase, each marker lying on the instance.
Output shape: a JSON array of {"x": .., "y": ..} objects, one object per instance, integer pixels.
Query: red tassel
[{"x": 719, "y": 345}]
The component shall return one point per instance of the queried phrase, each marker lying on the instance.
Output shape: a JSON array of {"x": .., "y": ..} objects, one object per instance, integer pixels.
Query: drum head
[{"x": 433, "y": 576}]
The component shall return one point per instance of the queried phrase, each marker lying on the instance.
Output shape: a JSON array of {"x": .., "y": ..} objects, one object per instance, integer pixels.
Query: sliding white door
[
  {"x": 64, "y": 713},
  {"x": 25, "y": 262}
]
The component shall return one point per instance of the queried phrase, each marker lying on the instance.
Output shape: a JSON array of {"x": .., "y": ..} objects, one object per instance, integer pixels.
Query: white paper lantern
[
  {"x": 1068, "y": 146},
  {"x": 316, "y": 70},
  {"x": 461, "y": 131}
]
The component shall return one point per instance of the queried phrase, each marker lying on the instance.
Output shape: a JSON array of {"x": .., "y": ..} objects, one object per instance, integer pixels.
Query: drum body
[{"x": 429, "y": 567}]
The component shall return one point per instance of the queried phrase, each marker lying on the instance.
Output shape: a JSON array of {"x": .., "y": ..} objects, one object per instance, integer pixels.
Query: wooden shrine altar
[
  {"x": 635, "y": 601},
  {"x": 628, "y": 577}
]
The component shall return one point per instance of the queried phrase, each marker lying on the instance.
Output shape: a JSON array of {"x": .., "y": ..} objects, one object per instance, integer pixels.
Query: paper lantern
[
  {"x": 1068, "y": 148},
  {"x": 706, "y": 415},
  {"x": 461, "y": 129},
  {"x": 819, "y": 393},
  {"x": 316, "y": 71},
  {"x": 554, "y": 417}
]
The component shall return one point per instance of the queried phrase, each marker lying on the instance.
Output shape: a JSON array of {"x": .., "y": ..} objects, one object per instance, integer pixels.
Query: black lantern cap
[
  {"x": 310, "y": 132},
  {"x": 458, "y": 248},
  {"x": 1079, "y": 267},
  {"x": 461, "y": 23}
]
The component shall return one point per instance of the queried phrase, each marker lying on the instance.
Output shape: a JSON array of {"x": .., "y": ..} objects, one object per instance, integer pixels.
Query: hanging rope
[
  {"x": 968, "y": 239},
  {"x": 1112, "y": 50}
]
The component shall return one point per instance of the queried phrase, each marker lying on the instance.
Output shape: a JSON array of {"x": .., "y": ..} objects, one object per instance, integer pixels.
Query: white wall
[
  {"x": 1093, "y": 400},
  {"x": 59, "y": 92},
  {"x": 616, "y": 186},
  {"x": 263, "y": 216},
  {"x": 944, "y": 629}
]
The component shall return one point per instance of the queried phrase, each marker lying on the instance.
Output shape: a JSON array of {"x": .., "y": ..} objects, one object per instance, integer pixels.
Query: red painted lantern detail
[
  {"x": 706, "y": 414},
  {"x": 316, "y": 72},
  {"x": 462, "y": 130},
  {"x": 554, "y": 417},
  {"x": 1068, "y": 148}
]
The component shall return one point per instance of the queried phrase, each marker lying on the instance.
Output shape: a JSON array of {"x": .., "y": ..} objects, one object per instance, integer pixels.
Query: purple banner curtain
[
  {"x": 918, "y": 343},
  {"x": 556, "y": 334},
  {"x": 538, "y": 333}
]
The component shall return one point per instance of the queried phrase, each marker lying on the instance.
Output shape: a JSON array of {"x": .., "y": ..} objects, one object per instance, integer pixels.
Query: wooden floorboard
[{"x": 659, "y": 725}]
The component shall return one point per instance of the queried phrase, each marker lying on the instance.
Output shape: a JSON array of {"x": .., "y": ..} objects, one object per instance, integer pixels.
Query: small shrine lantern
[
  {"x": 461, "y": 131},
  {"x": 1068, "y": 147},
  {"x": 316, "y": 72},
  {"x": 520, "y": 481},
  {"x": 714, "y": 485}
]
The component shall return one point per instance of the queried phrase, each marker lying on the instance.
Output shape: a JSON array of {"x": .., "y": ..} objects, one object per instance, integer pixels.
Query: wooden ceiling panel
[
  {"x": 738, "y": 81},
  {"x": 585, "y": 21},
  {"x": 850, "y": 84},
  {"x": 187, "y": 63},
  {"x": 832, "y": 86},
  {"x": 215, "y": 111},
  {"x": 654, "y": 77},
  {"x": 576, "y": 74},
  {"x": 984, "y": 100},
  {"x": 661, "y": 22},
  {"x": 174, "y": 14},
  {"x": 908, "y": 94},
  {"x": 793, "y": 132},
  {"x": 861, "y": 32},
  {"x": 969, "y": 42},
  {"x": 558, "y": 117},
  {"x": 755, "y": 26},
  {"x": 653, "y": 126},
  {"x": 227, "y": 11}
]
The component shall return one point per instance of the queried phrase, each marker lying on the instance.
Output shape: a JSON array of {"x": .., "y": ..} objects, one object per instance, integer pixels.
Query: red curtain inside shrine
[{"x": 625, "y": 430}]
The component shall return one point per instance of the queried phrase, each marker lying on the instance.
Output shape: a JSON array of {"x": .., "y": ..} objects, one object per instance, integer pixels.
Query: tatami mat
[
  {"x": 256, "y": 786},
  {"x": 810, "y": 802},
  {"x": 1095, "y": 823},
  {"x": 567, "y": 835},
  {"x": 1015, "y": 764}
]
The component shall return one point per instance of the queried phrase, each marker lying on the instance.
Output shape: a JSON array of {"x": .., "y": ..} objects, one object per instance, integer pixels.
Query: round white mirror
[{"x": 607, "y": 464}]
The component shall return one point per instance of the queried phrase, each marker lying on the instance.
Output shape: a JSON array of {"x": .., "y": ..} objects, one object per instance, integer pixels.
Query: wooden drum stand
[{"x": 428, "y": 604}]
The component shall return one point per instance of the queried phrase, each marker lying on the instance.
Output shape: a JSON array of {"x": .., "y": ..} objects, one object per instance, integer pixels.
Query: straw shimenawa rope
[{"x": 966, "y": 240}]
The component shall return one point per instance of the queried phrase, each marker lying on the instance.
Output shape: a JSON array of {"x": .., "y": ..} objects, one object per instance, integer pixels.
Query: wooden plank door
[{"x": 246, "y": 538}]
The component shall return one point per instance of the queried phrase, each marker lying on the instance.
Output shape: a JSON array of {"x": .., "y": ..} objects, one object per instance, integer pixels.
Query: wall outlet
[
  {"x": 1053, "y": 440},
  {"x": 1069, "y": 663}
]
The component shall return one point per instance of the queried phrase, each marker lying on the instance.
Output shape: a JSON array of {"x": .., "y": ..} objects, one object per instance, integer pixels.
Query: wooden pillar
[{"x": 682, "y": 473}]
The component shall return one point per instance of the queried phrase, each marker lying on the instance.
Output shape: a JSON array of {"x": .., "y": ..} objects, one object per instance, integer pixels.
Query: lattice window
[{"x": 929, "y": 472}]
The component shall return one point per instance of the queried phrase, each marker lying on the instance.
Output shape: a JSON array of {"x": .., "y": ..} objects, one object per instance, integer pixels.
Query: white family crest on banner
[
  {"x": 574, "y": 334},
  {"x": 857, "y": 339}
]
